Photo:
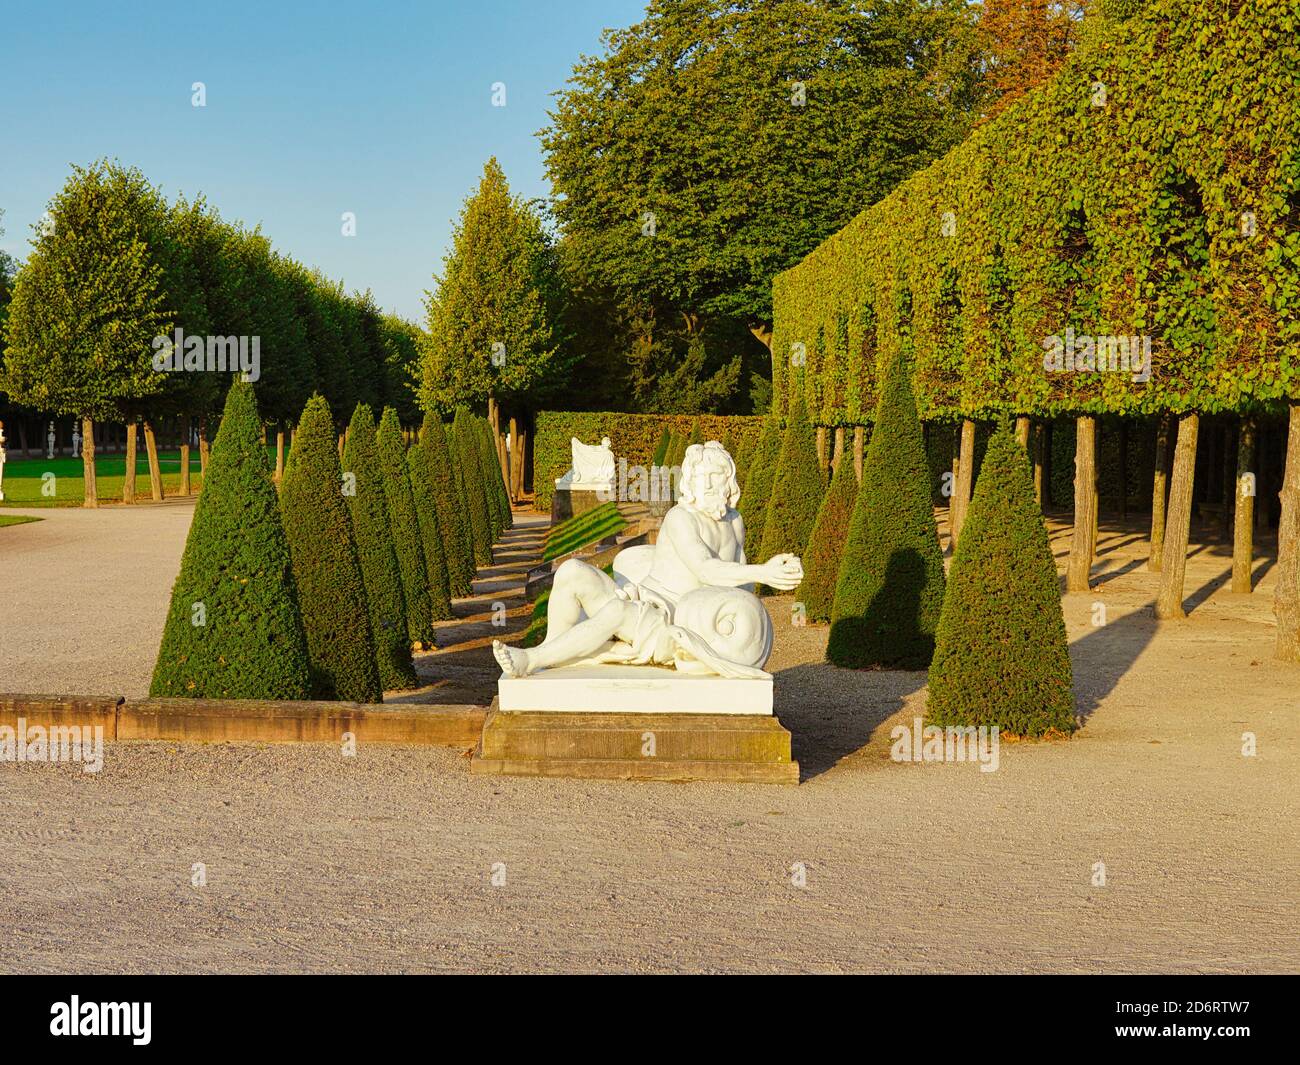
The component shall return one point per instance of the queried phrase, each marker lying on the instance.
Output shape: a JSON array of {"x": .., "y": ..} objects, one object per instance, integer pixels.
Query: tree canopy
[
  {"x": 490, "y": 313},
  {"x": 717, "y": 142}
]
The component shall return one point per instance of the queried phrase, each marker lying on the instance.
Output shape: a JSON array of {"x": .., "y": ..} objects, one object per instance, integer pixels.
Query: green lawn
[
  {"x": 15, "y": 519},
  {"x": 24, "y": 478}
]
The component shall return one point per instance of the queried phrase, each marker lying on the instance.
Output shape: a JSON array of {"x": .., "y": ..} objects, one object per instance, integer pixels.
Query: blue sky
[{"x": 313, "y": 109}]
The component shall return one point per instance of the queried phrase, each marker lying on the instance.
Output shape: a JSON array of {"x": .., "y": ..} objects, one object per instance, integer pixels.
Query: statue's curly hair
[{"x": 710, "y": 456}]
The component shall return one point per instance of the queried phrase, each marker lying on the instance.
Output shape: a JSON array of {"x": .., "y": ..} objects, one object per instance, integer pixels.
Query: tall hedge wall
[
  {"x": 631, "y": 436},
  {"x": 1152, "y": 188}
]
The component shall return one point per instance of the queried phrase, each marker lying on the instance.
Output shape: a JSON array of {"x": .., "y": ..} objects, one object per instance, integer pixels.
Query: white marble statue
[
  {"x": 76, "y": 443},
  {"x": 2, "y": 462},
  {"x": 49, "y": 439},
  {"x": 593, "y": 466},
  {"x": 686, "y": 601}
]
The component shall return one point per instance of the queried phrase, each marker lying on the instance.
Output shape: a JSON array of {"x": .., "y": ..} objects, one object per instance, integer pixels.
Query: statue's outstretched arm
[{"x": 702, "y": 562}]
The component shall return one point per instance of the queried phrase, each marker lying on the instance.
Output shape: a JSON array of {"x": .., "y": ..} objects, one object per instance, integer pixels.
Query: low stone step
[{"x": 674, "y": 747}]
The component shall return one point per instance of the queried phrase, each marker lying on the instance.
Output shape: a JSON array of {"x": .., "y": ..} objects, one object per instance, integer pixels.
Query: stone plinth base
[
  {"x": 566, "y": 502},
  {"x": 614, "y": 746},
  {"x": 633, "y": 690}
]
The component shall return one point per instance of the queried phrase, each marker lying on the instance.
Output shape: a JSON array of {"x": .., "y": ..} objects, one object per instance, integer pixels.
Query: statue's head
[{"x": 709, "y": 482}]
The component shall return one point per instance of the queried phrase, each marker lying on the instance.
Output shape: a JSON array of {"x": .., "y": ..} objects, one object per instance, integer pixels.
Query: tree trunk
[
  {"x": 203, "y": 448},
  {"x": 1160, "y": 484},
  {"x": 155, "y": 471},
  {"x": 279, "y": 454},
  {"x": 90, "y": 497},
  {"x": 1178, "y": 521},
  {"x": 1022, "y": 431},
  {"x": 1082, "y": 544},
  {"x": 1286, "y": 596},
  {"x": 859, "y": 435},
  {"x": 1231, "y": 485},
  {"x": 343, "y": 439},
  {"x": 185, "y": 455},
  {"x": 128, "y": 484},
  {"x": 961, "y": 488},
  {"x": 839, "y": 445},
  {"x": 1096, "y": 490},
  {"x": 1040, "y": 436},
  {"x": 1244, "y": 518},
  {"x": 513, "y": 482},
  {"x": 1123, "y": 471},
  {"x": 523, "y": 460},
  {"x": 822, "y": 458}
]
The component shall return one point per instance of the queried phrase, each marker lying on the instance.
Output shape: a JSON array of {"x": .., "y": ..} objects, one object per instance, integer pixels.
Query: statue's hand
[{"x": 783, "y": 572}]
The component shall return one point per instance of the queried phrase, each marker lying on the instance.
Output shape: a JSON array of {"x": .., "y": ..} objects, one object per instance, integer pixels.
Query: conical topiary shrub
[
  {"x": 233, "y": 629},
  {"x": 696, "y": 436},
  {"x": 741, "y": 457},
  {"x": 796, "y": 492},
  {"x": 364, "y": 493},
  {"x": 471, "y": 471},
  {"x": 326, "y": 569},
  {"x": 1001, "y": 654},
  {"x": 890, "y": 587},
  {"x": 821, "y": 561},
  {"x": 661, "y": 448},
  {"x": 756, "y": 495},
  {"x": 405, "y": 528},
  {"x": 453, "y": 518},
  {"x": 420, "y": 466},
  {"x": 494, "y": 487}
]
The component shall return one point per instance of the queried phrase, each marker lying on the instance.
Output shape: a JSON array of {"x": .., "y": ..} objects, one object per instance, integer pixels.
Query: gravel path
[{"x": 386, "y": 861}]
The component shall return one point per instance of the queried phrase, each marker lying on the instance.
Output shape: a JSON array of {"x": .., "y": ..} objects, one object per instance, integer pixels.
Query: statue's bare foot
[{"x": 512, "y": 660}]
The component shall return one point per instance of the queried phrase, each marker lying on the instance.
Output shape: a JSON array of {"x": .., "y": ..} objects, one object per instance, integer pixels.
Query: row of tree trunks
[{"x": 1286, "y": 596}]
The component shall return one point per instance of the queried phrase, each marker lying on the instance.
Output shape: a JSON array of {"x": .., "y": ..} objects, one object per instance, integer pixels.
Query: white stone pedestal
[{"x": 632, "y": 690}]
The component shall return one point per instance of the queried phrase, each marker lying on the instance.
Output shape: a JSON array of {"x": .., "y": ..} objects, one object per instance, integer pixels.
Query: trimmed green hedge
[
  {"x": 1151, "y": 188},
  {"x": 1001, "y": 652},
  {"x": 634, "y": 437}
]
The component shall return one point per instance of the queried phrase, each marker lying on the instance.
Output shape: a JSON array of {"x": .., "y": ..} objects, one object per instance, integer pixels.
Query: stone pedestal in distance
[{"x": 567, "y": 502}]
